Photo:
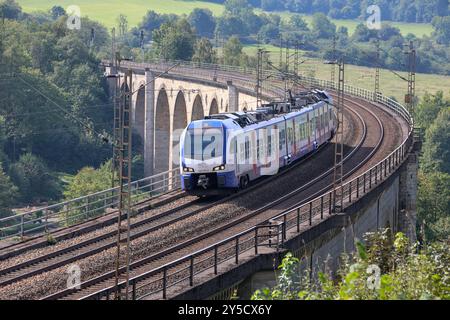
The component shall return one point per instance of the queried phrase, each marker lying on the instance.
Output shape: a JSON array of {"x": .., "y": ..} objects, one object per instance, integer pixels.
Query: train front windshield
[{"x": 203, "y": 143}]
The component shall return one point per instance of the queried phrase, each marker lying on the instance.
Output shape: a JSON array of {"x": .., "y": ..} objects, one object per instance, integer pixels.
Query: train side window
[
  {"x": 290, "y": 135},
  {"x": 232, "y": 146},
  {"x": 269, "y": 145},
  {"x": 241, "y": 151},
  {"x": 282, "y": 138}
]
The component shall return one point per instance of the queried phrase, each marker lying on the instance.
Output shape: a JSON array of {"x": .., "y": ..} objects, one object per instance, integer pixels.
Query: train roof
[{"x": 271, "y": 112}]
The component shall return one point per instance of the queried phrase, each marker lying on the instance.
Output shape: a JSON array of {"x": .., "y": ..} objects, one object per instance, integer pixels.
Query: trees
[
  {"x": 436, "y": 149},
  {"x": 174, "y": 41},
  {"x": 232, "y": 52},
  {"x": 8, "y": 194},
  {"x": 203, "y": 21},
  {"x": 428, "y": 109},
  {"x": 204, "y": 52},
  {"x": 322, "y": 27},
  {"x": 10, "y": 9},
  {"x": 441, "y": 27},
  {"x": 34, "y": 179},
  {"x": 87, "y": 181},
  {"x": 433, "y": 205}
]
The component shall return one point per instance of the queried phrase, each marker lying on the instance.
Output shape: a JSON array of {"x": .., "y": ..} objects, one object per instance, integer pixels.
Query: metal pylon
[
  {"x": 377, "y": 70},
  {"x": 259, "y": 75},
  {"x": 123, "y": 225},
  {"x": 338, "y": 175},
  {"x": 333, "y": 67},
  {"x": 410, "y": 97}
]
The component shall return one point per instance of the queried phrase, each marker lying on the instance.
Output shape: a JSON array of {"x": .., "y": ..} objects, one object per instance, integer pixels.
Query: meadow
[{"x": 106, "y": 11}]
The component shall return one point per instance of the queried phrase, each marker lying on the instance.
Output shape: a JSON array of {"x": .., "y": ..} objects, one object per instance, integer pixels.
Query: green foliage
[
  {"x": 8, "y": 194},
  {"x": 203, "y": 21},
  {"x": 204, "y": 52},
  {"x": 10, "y": 9},
  {"x": 233, "y": 54},
  {"x": 87, "y": 181},
  {"x": 404, "y": 275},
  {"x": 428, "y": 108},
  {"x": 322, "y": 27},
  {"x": 174, "y": 41},
  {"x": 34, "y": 180},
  {"x": 436, "y": 149},
  {"x": 433, "y": 205},
  {"x": 442, "y": 29}
]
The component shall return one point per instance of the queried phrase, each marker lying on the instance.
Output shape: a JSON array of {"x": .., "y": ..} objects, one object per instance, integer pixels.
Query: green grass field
[{"x": 107, "y": 11}]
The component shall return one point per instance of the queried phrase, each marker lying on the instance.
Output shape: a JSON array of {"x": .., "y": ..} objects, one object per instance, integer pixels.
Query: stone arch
[
  {"x": 162, "y": 133},
  {"x": 139, "y": 118},
  {"x": 179, "y": 124},
  {"x": 197, "y": 109},
  {"x": 214, "y": 108}
]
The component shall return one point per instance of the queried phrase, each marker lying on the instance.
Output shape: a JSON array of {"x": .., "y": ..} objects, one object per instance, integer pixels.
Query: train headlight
[
  {"x": 186, "y": 169},
  {"x": 219, "y": 168}
]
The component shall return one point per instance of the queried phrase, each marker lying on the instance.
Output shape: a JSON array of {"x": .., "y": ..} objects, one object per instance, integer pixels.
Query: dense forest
[{"x": 53, "y": 104}]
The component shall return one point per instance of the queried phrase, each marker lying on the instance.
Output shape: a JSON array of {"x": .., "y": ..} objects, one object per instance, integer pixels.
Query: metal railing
[{"x": 82, "y": 209}]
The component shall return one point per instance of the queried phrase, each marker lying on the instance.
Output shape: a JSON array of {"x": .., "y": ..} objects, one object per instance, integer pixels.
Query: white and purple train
[{"x": 224, "y": 152}]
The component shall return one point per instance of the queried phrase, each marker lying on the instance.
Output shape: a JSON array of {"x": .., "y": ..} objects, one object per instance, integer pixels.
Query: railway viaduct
[
  {"x": 163, "y": 105},
  {"x": 168, "y": 103}
]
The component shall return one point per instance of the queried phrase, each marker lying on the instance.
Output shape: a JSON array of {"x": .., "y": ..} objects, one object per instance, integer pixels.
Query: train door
[
  {"x": 282, "y": 143},
  {"x": 323, "y": 127},
  {"x": 317, "y": 121},
  {"x": 290, "y": 140}
]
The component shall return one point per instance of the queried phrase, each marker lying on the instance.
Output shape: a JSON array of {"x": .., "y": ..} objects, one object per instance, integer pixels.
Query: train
[{"x": 223, "y": 153}]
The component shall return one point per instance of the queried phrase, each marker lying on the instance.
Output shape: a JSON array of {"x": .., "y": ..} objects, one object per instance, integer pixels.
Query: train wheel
[{"x": 243, "y": 182}]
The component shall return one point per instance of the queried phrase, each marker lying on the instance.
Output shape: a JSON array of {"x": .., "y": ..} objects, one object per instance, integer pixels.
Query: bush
[
  {"x": 34, "y": 180},
  {"x": 384, "y": 268}
]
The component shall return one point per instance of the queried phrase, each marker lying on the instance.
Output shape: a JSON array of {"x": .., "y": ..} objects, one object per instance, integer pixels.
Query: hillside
[{"x": 106, "y": 11}]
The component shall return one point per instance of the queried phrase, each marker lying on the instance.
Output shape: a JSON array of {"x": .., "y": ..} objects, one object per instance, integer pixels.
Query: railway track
[
  {"x": 152, "y": 261},
  {"x": 107, "y": 240}
]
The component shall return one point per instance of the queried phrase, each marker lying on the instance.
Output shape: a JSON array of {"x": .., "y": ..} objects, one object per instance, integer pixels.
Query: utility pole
[
  {"x": 333, "y": 68},
  {"x": 259, "y": 75},
  {"x": 281, "y": 52},
  {"x": 296, "y": 63},
  {"x": 123, "y": 227},
  {"x": 338, "y": 192},
  {"x": 410, "y": 96},
  {"x": 286, "y": 71},
  {"x": 117, "y": 111},
  {"x": 377, "y": 70}
]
